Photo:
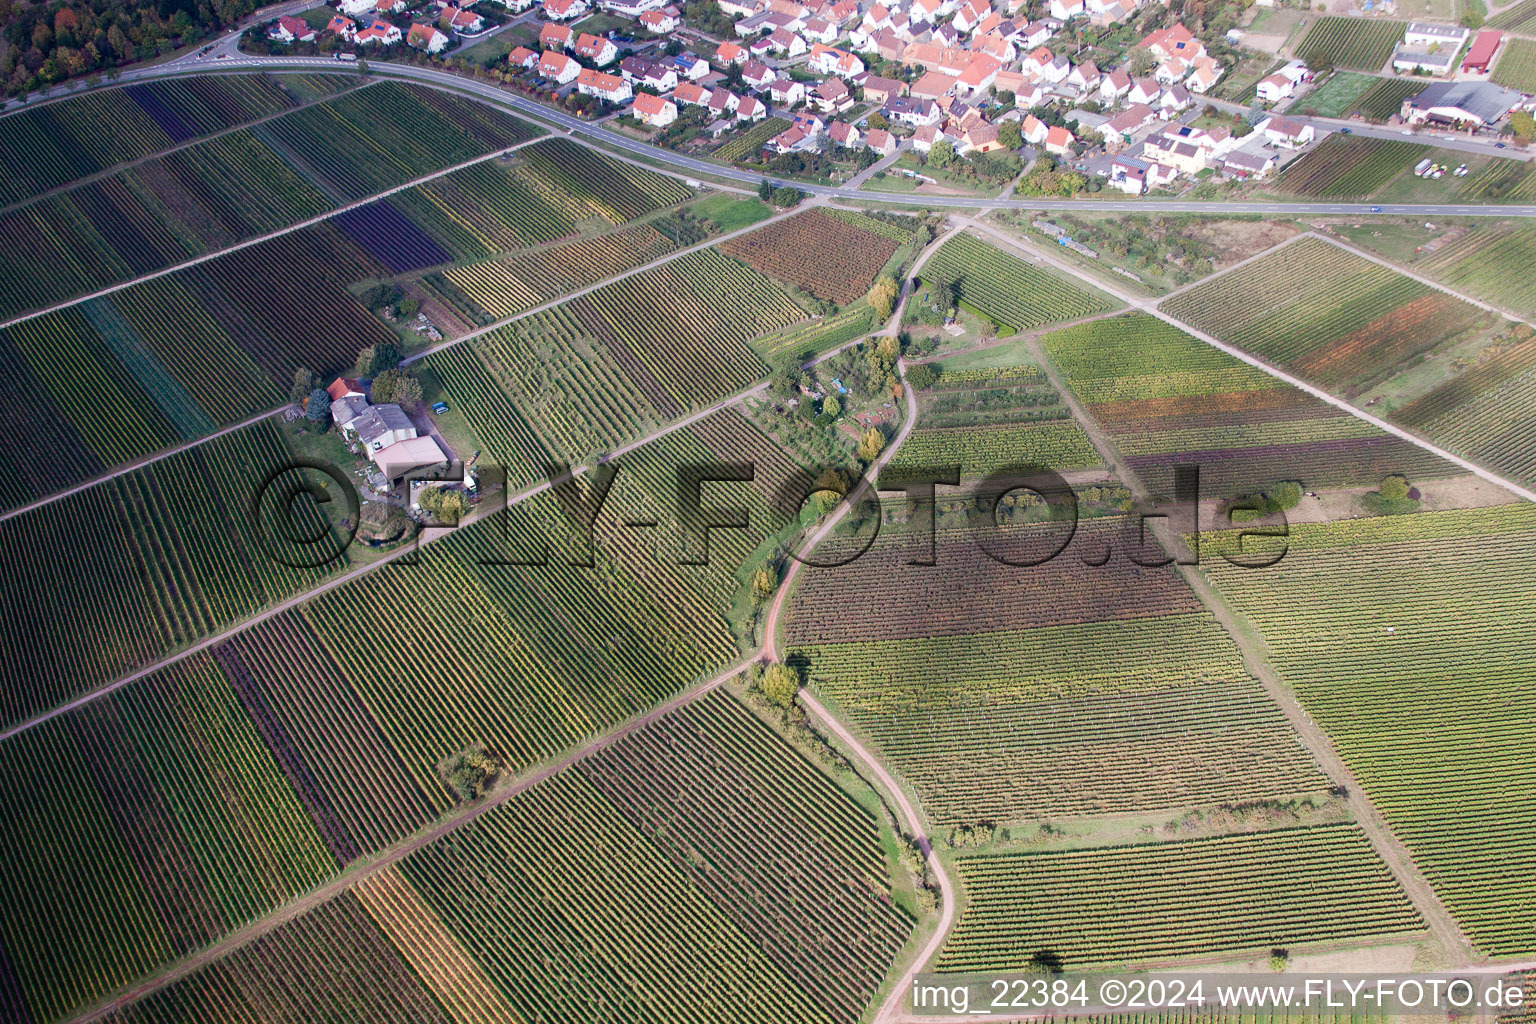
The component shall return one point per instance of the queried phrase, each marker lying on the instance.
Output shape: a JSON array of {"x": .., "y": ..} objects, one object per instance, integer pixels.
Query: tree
[
  {"x": 764, "y": 583},
  {"x": 882, "y": 297},
  {"x": 787, "y": 196},
  {"x": 878, "y": 120},
  {"x": 765, "y": 190},
  {"x": 1523, "y": 124},
  {"x": 1285, "y": 495},
  {"x": 397, "y": 386},
  {"x": 922, "y": 376},
  {"x": 887, "y": 349},
  {"x": 942, "y": 154},
  {"x": 779, "y": 684},
  {"x": 304, "y": 381},
  {"x": 318, "y": 408},
  {"x": 1142, "y": 61},
  {"x": 469, "y": 772},
  {"x": 446, "y": 506},
  {"x": 1473, "y": 19},
  {"x": 1394, "y": 488},
  {"x": 830, "y": 407},
  {"x": 1010, "y": 134},
  {"x": 871, "y": 444}
]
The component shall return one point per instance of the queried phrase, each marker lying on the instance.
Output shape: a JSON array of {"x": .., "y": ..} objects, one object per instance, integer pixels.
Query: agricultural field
[
  {"x": 1519, "y": 18},
  {"x": 52, "y": 145},
  {"x": 1168, "y": 398},
  {"x": 979, "y": 450},
  {"x": 1339, "y": 96},
  {"x": 1358, "y": 44},
  {"x": 807, "y": 340},
  {"x": 1517, "y": 65},
  {"x": 1011, "y": 293},
  {"x": 1349, "y": 166},
  {"x": 1388, "y": 669},
  {"x": 241, "y": 185},
  {"x": 819, "y": 253},
  {"x": 1164, "y": 901},
  {"x": 1489, "y": 260},
  {"x": 1326, "y": 314},
  {"x": 1484, "y": 413},
  {"x": 1500, "y": 181},
  {"x": 1385, "y": 101}
]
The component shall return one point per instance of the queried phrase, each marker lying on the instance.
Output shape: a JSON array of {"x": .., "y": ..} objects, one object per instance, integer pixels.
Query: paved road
[{"x": 693, "y": 165}]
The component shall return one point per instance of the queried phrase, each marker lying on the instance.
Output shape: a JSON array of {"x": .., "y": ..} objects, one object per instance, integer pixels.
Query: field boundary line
[
  {"x": 1151, "y": 308},
  {"x": 280, "y": 232}
]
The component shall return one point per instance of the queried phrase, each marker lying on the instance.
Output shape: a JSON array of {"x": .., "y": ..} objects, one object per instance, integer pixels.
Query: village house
[
  {"x": 660, "y": 22},
  {"x": 522, "y": 57},
  {"x": 926, "y": 137},
  {"x": 426, "y": 37},
  {"x": 603, "y": 85},
  {"x": 1119, "y": 129},
  {"x": 1128, "y": 175},
  {"x": 342, "y": 26},
  {"x": 932, "y": 85},
  {"x": 1066, "y": 10},
  {"x": 786, "y": 92},
  {"x": 978, "y": 76},
  {"x": 356, "y": 8},
  {"x": 843, "y": 134},
  {"x": 1085, "y": 76},
  {"x": 723, "y": 101},
  {"x": 828, "y": 60},
  {"x": 911, "y": 110},
  {"x": 1243, "y": 164},
  {"x": 1285, "y": 132},
  {"x": 750, "y": 108},
  {"x": 692, "y": 94},
  {"x": 565, "y": 10},
  {"x": 730, "y": 54},
  {"x": 690, "y": 66},
  {"x": 559, "y": 67},
  {"x": 1033, "y": 129},
  {"x": 757, "y": 75},
  {"x": 979, "y": 138},
  {"x": 291, "y": 30},
  {"x": 1056, "y": 71},
  {"x": 377, "y": 31},
  {"x": 1173, "y": 42},
  {"x": 460, "y": 20},
  {"x": 1174, "y": 99},
  {"x": 1114, "y": 85},
  {"x": 1206, "y": 73},
  {"x": 654, "y": 110},
  {"x": 556, "y": 37},
  {"x": 1145, "y": 90},
  {"x": 881, "y": 141},
  {"x": 1036, "y": 61},
  {"x": 832, "y": 96},
  {"x": 793, "y": 139},
  {"x": 598, "y": 49},
  {"x": 1184, "y": 157},
  {"x": 878, "y": 90},
  {"x": 1058, "y": 141}
]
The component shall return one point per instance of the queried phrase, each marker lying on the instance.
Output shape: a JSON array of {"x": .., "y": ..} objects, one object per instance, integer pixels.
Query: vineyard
[
  {"x": 1161, "y": 901},
  {"x": 1501, "y": 180},
  {"x": 1060, "y": 445},
  {"x": 814, "y": 337},
  {"x": 1325, "y": 313},
  {"x": 1357, "y": 44},
  {"x": 1519, "y": 18},
  {"x": 1388, "y": 670},
  {"x": 1349, "y": 166},
  {"x": 226, "y": 190},
  {"x": 52, "y": 145},
  {"x": 1517, "y": 66},
  {"x": 245, "y": 774},
  {"x": 1170, "y": 399},
  {"x": 1384, "y": 101},
  {"x": 1488, "y": 261},
  {"x": 1011, "y": 293},
  {"x": 748, "y": 145},
  {"x": 817, "y": 253}
]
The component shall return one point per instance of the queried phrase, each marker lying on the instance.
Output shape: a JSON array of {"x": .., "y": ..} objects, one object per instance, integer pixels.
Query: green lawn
[
  {"x": 1336, "y": 97},
  {"x": 489, "y": 51},
  {"x": 318, "y": 17},
  {"x": 732, "y": 212}
]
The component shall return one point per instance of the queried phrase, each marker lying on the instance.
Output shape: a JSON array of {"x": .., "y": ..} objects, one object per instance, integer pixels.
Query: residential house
[
  {"x": 831, "y": 61},
  {"x": 380, "y": 426},
  {"x": 1028, "y": 95},
  {"x": 924, "y": 139},
  {"x": 878, "y": 90},
  {"x": 1011, "y": 81},
  {"x": 654, "y": 110},
  {"x": 1036, "y": 61},
  {"x": 1058, "y": 141},
  {"x": 344, "y": 387},
  {"x": 792, "y": 140},
  {"x": 1128, "y": 175},
  {"x": 787, "y": 43},
  {"x": 690, "y": 66},
  {"x": 659, "y": 77},
  {"x": 1114, "y": 86},
  {"x": 1112, "y": 14},
  {"x": 1056, "y": 71},
  {"x": 522, "y": 57},
  {"x": 426, "y": 37},
  {"x": 1174, "y": 41},
  {"x": 946, "y": 60},
  {"x": 356, "y": 8},
  {"x": 750, "y": 108},
  {"x": 603, "y": 85},
  {"x": 1033, "y": 34},
  {"x": 881, "y": 141},
  {"x": 757, "y": 75},
  {"x": 832, "y": 96},
  {"x": 1174, "y": 69},
  {"x": 843, "y": 134},
  {"x": 1184, "y": 157},
  {"x": 600, "y": 50},
  {"x": 980, "y": 138},
  {"x": 565, "y": 10},
  {"x": 1205, "y": 74},
  {"x": 1145, "y": 90},
  {"x": 556, "y": 37},
  {"x": 1066, "y": 10},
  {"x": 932, "y": 85},
  {"x": 786, "y": 92},
  {"x": 730, "y": 53},
  {"x": 1174, "y": 99},
  {"x": 559, "y": 67},
  {"x": 288, "y": 29},
  {"x": 876, "y": 18},
  {"x": 342, "y": 26},
  {"x": 1004, "y": 50},
  {"x": 723, "y": 101},
  {"x": 971, "y": 15},
  {"x": 630, "y": 8},
  {"x": 911, "y": 110},
  {"x": 978, "y": 76},
  {"x": 460, "y": 20},
  {"x": 346, "y": 410},
  {"x": 414, "y": 456},
  {"x": 377, "y": 31},
  {"x": 1286, "y": 132},
  {"x": 1274, "y": 88},
  {"x": 692, "y": 94},
  {"x": 1033, "y": 129},
  {"x": 819, "y": 30},
  {"x": 660, "y": 22},
  {"x": 1118, "y": 130},
  {"x": 1085, "y": 76}
]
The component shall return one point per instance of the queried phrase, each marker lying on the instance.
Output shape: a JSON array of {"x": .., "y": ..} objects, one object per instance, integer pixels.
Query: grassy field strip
[{"x": 1148, "y": 306}]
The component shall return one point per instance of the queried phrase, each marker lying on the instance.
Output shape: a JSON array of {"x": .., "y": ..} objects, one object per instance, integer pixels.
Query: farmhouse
[
  {"x": 413, "y": 455},
  {"x": 1422, "y": 35},
  {"x": 1479, "y": 58},
  {"x": 381, "y": 426},
  {"x": 1434, "y": 62},
  {"x": 1474, "y": 103},
  {"x": 345, "y": 411}
]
